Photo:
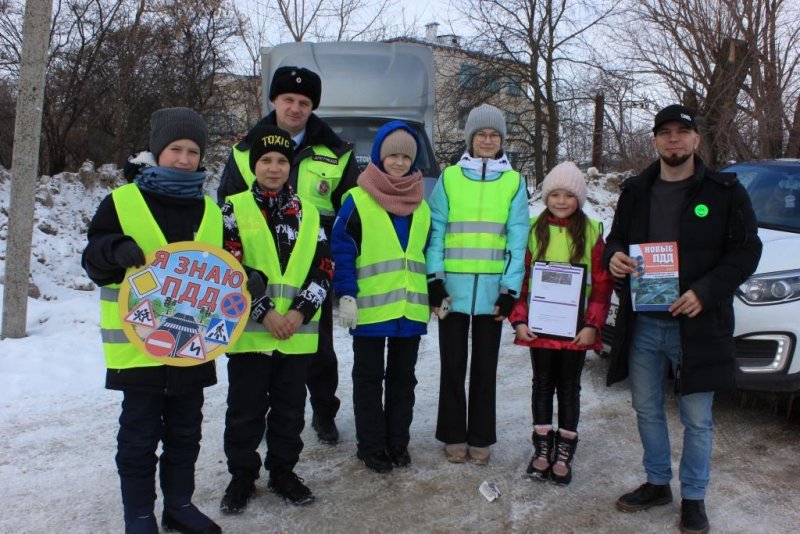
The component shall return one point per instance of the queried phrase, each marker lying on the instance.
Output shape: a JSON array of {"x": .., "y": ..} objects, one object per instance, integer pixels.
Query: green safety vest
[
  {"x": 317, "y": 175},
  {"x": 260, "y": 252},
  {"x": 560, "y": 245},
  {"x": 138, "y": 223},
  {"x": 392, "y": 283},
  {"x": 475, "y": 237}
]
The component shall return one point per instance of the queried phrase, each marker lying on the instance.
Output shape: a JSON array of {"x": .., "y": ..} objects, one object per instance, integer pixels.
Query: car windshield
[
  {"x": 774, "y": 190},
  {"x": 361, "y": 132}
]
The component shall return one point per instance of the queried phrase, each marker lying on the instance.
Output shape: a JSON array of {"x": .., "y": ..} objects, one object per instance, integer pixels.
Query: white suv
[{"x": 767, "y": 305}]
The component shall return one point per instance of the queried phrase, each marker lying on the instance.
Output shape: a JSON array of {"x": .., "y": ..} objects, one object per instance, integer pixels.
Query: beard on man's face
[{"x": 674, "y": 160}]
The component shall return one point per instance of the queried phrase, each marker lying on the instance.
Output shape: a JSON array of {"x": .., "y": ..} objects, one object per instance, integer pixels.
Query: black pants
[
  {"x": 146, "y": 420},
  {"x": 458, "y": 423},
  {"x": 265, "y": 394},
  {"x": 381, "y": 424},
  {"x": 323, "y": 372},
  {"x": 557, "y": 371}
]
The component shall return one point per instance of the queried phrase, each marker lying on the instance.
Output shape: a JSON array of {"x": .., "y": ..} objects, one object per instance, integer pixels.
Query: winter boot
[
  {"x": 140, "y": 522},
  {"x": 563, "y": 453},
  {"x": 326, "y": 430},
  {"x": 399, "y": 455},
  {"x": 240, "y": 490},
  {"x": 543, "y": 445},
  {"x": 289, "y": 486},
  {"x": 456, "y": 453},
  {"x": 645, "y": 496},
  {"x": 187, "y": 519},
  {"x": 693, "y": 516},
  {"x": 379, "y": 461}
]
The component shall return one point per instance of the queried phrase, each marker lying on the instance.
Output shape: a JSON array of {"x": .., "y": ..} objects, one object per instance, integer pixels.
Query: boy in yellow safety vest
[
  {"x": 161, "y": 403},
  {"x": 278, "y": 239}
]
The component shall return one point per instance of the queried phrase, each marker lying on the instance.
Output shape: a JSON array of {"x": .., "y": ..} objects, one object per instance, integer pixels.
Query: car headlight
[{"x": 772, "y": 288}]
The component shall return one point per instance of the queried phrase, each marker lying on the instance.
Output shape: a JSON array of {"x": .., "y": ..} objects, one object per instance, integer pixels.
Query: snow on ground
[{"x": 58, "y": 427}]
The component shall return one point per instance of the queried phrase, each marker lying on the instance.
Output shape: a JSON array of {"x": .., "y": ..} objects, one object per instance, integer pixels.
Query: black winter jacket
[
  {"x": 716, "y": 253},
  {"x": 317, "y": 133},
  {"x": 179, "y": 220}
]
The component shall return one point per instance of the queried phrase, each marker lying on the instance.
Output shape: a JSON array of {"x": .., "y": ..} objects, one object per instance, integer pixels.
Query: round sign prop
[{"x": 186, "y": 305}]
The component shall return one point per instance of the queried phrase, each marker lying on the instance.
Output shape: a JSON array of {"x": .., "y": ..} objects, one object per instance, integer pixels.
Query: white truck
[{"x": 365, "y": 85}]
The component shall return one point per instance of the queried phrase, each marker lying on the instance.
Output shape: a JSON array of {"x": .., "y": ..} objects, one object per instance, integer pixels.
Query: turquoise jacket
[{"x": 476, "y": 294}]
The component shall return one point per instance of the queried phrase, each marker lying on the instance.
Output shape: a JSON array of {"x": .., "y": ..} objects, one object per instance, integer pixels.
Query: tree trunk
[
  {"x": 597, "y": 132},
  {"x": 27, "y": 137}
]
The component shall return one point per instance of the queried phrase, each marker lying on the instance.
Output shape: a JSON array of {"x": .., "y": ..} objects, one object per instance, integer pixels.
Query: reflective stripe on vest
[
  {"x": 319, "y": 175},
  {"x": 475, "y": 236},
  {"x": 242, "y": 159},
  {"x": 391, "y": 282},
  {"x": 138, "y": 223},
  {"x": 560, "y": 246},
  {"x": 260, "y": 252}
]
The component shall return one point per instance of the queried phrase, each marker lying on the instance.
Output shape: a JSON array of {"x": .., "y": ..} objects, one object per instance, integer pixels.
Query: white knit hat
[
  {"x": 565, "y": 176},
  {"x": 484, "y": 116}
]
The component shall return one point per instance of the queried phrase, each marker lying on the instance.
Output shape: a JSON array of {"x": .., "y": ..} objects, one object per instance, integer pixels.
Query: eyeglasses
[{"x": 493, "y": 136}]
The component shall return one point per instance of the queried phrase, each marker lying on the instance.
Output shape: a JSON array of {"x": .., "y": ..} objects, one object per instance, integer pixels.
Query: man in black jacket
[
  {"x": 710, "y": 217},
  {"x": 323, "y": 170}
]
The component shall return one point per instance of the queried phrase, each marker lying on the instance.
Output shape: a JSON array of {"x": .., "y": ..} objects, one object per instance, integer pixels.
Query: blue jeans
[{"x": 655, "y": 342}]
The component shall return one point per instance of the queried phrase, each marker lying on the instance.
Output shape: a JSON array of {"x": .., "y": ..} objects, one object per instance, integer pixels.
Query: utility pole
[{"x": 25, "y": 164}]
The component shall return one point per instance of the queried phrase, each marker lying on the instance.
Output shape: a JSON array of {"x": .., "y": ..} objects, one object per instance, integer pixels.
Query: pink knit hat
[{"x": 565, "y": 176}]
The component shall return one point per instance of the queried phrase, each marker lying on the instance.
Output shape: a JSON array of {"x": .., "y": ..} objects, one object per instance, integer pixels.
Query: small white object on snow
[{"x": 489, "y": 490}]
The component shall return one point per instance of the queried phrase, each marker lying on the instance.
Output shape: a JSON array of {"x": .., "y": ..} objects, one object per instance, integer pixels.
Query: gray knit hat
[
  {"x": 567, "y": 176},
  {"x": 170, "y": 124},
  {"x": 484, "y": 116}
]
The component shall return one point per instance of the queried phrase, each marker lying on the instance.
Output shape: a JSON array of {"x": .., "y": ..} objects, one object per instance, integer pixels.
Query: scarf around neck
[
  {"x": 398, "y": 195},
  {"x": 171, "y": 182}
]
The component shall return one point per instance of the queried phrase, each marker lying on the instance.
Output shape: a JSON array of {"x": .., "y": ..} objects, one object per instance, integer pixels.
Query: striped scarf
[{"x": 171, "y": 182}]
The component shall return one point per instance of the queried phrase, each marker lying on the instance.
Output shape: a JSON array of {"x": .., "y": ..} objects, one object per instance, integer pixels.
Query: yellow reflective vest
[
  {"x": 560, "y": 246},
  {"x": 138, "y": 223},
  {"x": 391, "y": 282},
  {"x": 475, "y": 236},
  {"x": 260, "y": 252},
  {"x": 318, "y": 175}
]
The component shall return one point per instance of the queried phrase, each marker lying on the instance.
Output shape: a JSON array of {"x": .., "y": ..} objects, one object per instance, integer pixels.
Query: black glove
[
  {"x": 436, "y": 292},
  {"x": 128, "y": 254},
  {"x": 504, "y": 304},
  {"x": 256, "y": 283}
]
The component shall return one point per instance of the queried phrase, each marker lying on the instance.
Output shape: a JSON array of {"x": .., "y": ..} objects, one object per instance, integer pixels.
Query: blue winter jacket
[
  {"x": 346, "y": 244},
  {"x": 476, "y": 294}
]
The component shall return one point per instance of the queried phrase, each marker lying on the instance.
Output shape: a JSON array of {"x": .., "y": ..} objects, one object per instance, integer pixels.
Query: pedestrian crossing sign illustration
[{"x": 219, "y": 331}]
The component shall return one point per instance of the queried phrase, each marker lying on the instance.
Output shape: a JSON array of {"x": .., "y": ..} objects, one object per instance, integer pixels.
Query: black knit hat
[
  {"x": 296, "y": 80},
  {"x": 170, "y": 124},
  {"x": 269, "y": 138}
]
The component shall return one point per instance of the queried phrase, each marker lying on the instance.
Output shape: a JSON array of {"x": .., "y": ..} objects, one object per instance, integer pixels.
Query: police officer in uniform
[{"x": 322, "y": 171}]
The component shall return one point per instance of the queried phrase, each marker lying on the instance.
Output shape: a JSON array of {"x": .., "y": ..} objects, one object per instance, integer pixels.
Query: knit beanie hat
[
  {"x": 565, "y": 176},
  {"x": 399, "y": 142},
  {"x": 170, "y": 124},
  {"x": 484, "y": 116},
  {"x": 296, "y": 80},
  {"x": 270, "y": 138}
]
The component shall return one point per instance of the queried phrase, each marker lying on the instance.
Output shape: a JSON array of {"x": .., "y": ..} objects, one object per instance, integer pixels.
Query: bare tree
[
  {"x": 546, "y": 41},
  {"x": 735, "y": 61}
]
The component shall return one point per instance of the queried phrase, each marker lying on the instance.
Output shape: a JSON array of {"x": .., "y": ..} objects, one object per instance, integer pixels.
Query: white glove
[{"x": 348, "y": 312}]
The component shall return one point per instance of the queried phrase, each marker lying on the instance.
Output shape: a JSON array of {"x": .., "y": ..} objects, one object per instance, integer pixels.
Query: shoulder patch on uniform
[{"x": 325, "y": 159}]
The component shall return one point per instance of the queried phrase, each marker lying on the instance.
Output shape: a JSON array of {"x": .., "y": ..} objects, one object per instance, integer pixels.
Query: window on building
[
  {"x": 468, "y": 78},
  {"x": 514, "y": 85},
  {"x": 462, "y": 118},
  {"x": 493, "y": 81},
  {"x": 513, "y": 158},
  {"x": 513, "y": 121}
]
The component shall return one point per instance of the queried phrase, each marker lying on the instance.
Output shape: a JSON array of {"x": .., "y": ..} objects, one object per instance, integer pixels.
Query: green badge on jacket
[{"x": 701, "y": 210}]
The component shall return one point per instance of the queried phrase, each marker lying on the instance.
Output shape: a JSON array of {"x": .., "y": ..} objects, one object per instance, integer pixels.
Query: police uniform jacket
[{"x": 317, "y": 133}]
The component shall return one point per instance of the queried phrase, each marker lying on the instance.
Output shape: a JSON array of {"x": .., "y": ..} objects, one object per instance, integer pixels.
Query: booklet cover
[{"x": 654, "y": 284}]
